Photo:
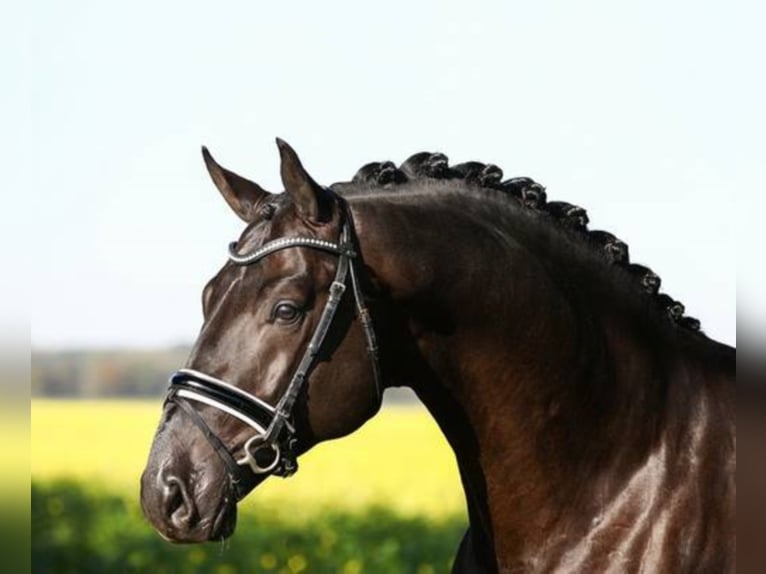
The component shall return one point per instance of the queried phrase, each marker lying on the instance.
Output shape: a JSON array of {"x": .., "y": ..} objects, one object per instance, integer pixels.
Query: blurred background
[{"x": 648, "y": 114}]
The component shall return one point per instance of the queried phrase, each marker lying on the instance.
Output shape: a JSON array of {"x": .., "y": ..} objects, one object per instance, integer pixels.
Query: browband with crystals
[{"x": 279, "y": 244}]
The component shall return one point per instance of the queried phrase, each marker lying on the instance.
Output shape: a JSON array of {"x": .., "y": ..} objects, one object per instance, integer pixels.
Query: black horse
[{"x": 593, "y": 424}]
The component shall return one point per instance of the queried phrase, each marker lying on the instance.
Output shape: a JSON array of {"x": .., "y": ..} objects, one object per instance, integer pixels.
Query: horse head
[{"x": 280, "y": 364}]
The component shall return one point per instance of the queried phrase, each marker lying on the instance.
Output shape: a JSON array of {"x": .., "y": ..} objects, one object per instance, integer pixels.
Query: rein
[{"x": 271, "y": 450}]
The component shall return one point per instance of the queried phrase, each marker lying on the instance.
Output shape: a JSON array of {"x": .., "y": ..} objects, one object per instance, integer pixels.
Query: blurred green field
[{"x": 385, "y": 499}]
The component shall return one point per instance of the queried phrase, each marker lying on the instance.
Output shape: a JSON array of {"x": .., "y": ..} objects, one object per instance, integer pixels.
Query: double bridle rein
[{"x": 271, "y": 450}]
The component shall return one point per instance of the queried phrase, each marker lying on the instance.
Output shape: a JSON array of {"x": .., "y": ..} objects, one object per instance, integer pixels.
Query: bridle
[{"x": 271, "y": 450}]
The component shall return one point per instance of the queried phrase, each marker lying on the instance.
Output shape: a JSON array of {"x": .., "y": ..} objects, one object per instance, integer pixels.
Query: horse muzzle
[{"x": 184, "y": 512}]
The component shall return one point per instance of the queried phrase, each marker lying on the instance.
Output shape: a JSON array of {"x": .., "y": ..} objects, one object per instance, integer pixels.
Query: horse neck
[{"x": 543, "y": 398}]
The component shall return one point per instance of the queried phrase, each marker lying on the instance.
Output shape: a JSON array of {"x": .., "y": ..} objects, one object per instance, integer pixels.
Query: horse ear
[
  {"x": 242, "y": 195},
  {"x": 311, "y": 200}
]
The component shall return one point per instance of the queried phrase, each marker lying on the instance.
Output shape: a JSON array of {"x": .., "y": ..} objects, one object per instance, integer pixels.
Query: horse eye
[{"x": 286, "y": 312}]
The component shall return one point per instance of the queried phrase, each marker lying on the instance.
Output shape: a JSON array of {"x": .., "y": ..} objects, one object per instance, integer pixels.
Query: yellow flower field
[{"x": 398, "y": 460}]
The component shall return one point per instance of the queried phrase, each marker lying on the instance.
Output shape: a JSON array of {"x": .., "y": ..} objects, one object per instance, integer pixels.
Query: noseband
[{"x": 271, "y": 450}]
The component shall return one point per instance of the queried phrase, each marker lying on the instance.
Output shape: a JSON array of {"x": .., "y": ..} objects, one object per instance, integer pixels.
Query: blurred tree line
[
  {"x": 112, "y": 373},
  {"x": 121, "y": 373}
]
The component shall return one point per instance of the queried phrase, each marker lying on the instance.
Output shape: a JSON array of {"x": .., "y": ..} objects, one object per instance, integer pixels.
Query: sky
[{"x": 649, "y": 114}]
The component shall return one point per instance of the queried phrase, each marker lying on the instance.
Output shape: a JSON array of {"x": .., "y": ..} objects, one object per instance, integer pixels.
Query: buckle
[
  {"x": 348, "y": 251},
  {"x": 337, "y": 289}
]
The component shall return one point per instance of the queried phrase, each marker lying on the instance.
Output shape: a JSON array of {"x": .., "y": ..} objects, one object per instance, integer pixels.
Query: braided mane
[{"x": 531, "y": 195}]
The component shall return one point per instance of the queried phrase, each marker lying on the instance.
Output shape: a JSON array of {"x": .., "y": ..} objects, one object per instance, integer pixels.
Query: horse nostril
[
  {"x": 179, "y": 506},
  {"x": 172, "y": 496}
]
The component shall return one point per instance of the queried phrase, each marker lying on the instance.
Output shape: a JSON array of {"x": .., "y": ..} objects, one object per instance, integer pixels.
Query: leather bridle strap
[
  {"x": 285, "y": 405},
  {"x": 365, "y": 319},
  {"x": 235, "y": 471}
]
